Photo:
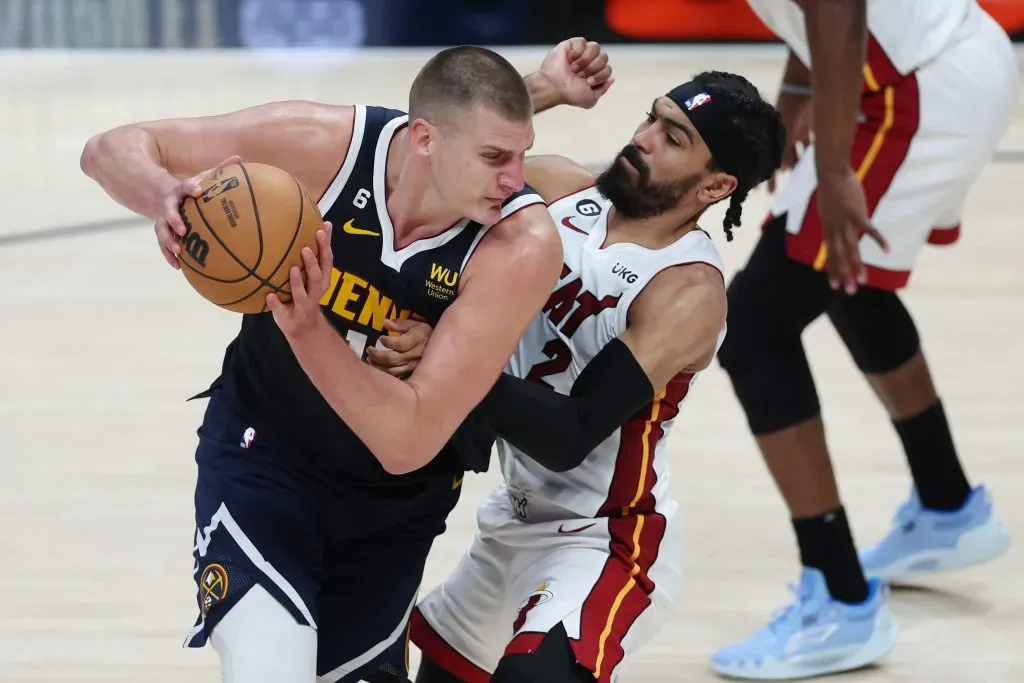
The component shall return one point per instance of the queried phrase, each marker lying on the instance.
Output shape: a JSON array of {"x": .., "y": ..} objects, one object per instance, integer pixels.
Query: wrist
[
  {"x": 831, "y": 152},
  {"x": 829, "y": 173},
  {"x": 160, "y": 187},
  {"x": 795, "y": 89},
  {"x": 542, "y": 91},
  {"x": 313, "y": 334}
]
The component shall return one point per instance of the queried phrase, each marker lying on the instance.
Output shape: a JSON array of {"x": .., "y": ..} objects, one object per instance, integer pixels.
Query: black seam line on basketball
[
  {"x": 213, "y": 232},
  {"x": 205, "y": 276},
  {"x": 295, "y": 234},
  {"x": 224, "y": 303},
  {"x": 252, "y": 273},
  {"x": 256, "y": 215},
  {"x": 266, "y": 281}
]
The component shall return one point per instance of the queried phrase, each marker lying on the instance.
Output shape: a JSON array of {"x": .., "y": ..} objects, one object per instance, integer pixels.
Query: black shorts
[{"x": 331, "y": 553}]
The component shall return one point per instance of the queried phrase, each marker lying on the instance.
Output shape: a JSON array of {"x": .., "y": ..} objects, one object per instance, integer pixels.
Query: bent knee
[{"x": 877, "y": 329}]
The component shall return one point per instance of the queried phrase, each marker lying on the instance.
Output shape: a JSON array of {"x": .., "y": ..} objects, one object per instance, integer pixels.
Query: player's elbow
[
  {"x": 90, "y": 154},
  {"x": 566, "y": 462},
  {"x": 407, "y": 450},
  {"x": 563, "y": 455},
  {"x": 405, "y": 458}
]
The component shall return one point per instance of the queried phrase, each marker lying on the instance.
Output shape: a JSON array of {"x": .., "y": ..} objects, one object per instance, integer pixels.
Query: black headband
[{"x": 713, "y": 120}]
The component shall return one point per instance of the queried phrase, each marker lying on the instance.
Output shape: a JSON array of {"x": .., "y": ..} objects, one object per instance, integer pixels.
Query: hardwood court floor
[{"x": 104, "y": 342}]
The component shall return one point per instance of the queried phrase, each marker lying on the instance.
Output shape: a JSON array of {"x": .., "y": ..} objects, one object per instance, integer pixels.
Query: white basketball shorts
[
  {"x": 921, "y": 142},
  {"x": 612, "y": 583}
]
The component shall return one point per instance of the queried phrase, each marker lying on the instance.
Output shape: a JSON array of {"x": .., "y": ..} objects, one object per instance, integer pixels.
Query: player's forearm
[
  {"x": 125, "y": 162},
  {"x": 837, "y": 32},
  {"x": 384, "y": 412},
  {"x": 542, "y": 92},
  {"x": 560, "y": 431},
  {"x": 796, "y": 73}
]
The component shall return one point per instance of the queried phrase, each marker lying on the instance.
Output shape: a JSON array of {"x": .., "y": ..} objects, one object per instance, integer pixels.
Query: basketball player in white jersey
[
  {"x": 907, "y": 100},
  {"x": 577, "y": 558}
]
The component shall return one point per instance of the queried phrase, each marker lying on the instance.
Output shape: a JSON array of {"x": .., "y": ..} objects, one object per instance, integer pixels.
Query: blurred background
[{"x": 395, "y": 23}]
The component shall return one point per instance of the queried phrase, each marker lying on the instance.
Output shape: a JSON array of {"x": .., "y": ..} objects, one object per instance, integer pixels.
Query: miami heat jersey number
[{"x": 567, "y": 307}]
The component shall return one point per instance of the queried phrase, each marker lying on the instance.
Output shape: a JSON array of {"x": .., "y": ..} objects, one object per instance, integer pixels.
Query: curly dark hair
[{"x": 762, "y": 134}]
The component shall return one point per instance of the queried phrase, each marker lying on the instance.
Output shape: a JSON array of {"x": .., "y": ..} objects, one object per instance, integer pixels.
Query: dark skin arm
[
  {"x": 837, "y": 34},
  {"x": 794, "y": 106}
]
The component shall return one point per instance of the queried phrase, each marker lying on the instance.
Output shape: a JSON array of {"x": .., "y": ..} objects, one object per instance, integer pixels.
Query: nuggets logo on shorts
[{"x": 213, "y": 586}]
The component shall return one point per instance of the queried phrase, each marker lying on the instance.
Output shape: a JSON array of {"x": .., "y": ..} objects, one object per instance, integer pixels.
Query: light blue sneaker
[
  {"x": 926, "y": 541},
  {"x": 814, "y": 636}
]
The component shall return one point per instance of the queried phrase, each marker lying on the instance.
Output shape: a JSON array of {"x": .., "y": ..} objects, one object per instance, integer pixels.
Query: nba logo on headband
[{"x": 696, "y": 101}]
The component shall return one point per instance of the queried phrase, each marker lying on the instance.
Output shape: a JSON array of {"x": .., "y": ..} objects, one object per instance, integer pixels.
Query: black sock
[
  {"x": 826, "y": 544},
  {"x": 939, "y": 478}
]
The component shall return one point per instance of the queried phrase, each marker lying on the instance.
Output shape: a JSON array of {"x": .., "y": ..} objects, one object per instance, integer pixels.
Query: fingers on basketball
[
  {"x": 297, "y": 284},
  {"x": 169, "y": 246},
  {"x": 249, "y": 230},
  {"x": 323, "y": 241}
]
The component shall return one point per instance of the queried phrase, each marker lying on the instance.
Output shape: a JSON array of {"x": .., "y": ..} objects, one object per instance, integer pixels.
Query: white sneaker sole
[
  {"x": 825, "y": 662},
  {"x": 978, "y": 546}
]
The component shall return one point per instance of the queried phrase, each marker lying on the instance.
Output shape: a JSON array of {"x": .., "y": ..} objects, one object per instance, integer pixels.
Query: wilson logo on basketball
[{"x": 192, "y": 244}]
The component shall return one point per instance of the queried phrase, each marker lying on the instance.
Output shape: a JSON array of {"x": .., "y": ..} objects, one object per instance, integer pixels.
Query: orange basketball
[{"x": 245, "y": 233}]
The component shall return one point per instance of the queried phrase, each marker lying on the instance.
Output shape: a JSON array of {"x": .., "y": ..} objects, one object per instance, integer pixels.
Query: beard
[{"x": 634, "y": 195}]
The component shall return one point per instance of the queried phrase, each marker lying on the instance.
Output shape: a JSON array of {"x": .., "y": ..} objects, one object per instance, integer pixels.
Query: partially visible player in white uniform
[
  {"x": 578, "y": 554},
  {"x": 907, "y": 101}
]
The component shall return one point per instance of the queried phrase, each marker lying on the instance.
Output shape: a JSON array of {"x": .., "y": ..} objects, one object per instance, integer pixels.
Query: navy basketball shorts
[{"x": 335, "y": 557}]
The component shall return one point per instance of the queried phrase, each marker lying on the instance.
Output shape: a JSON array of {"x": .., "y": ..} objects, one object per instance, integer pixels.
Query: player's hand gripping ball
[{"x": 245, "y": 226}]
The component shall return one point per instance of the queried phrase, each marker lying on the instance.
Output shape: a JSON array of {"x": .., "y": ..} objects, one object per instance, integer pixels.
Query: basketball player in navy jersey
[
  {"x": 577, "y": 557},
  {"x": 323, "y": 481}
]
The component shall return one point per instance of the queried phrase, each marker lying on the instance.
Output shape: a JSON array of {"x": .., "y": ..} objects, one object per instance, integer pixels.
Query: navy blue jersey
[{"x": 370, "y": 282}]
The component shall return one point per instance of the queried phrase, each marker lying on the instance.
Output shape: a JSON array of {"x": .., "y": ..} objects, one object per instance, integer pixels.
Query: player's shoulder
[
  {"x": 369, "y": 118},
  {"x": 379, "y": 114},
  {"x": 691, "y": 267},
  {"x": 517, "y": 201},
  {"x": 674, "y": 292},
  {"x": 555, "y": 177},
  {"x": 525, "y": 221},
  {"x": 525, "y": 233}
]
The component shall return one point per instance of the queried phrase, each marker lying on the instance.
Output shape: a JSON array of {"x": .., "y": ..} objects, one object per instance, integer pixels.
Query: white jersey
[
  {"x": 588, "y": 308},
  {"x": 909, "y": 32}
]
